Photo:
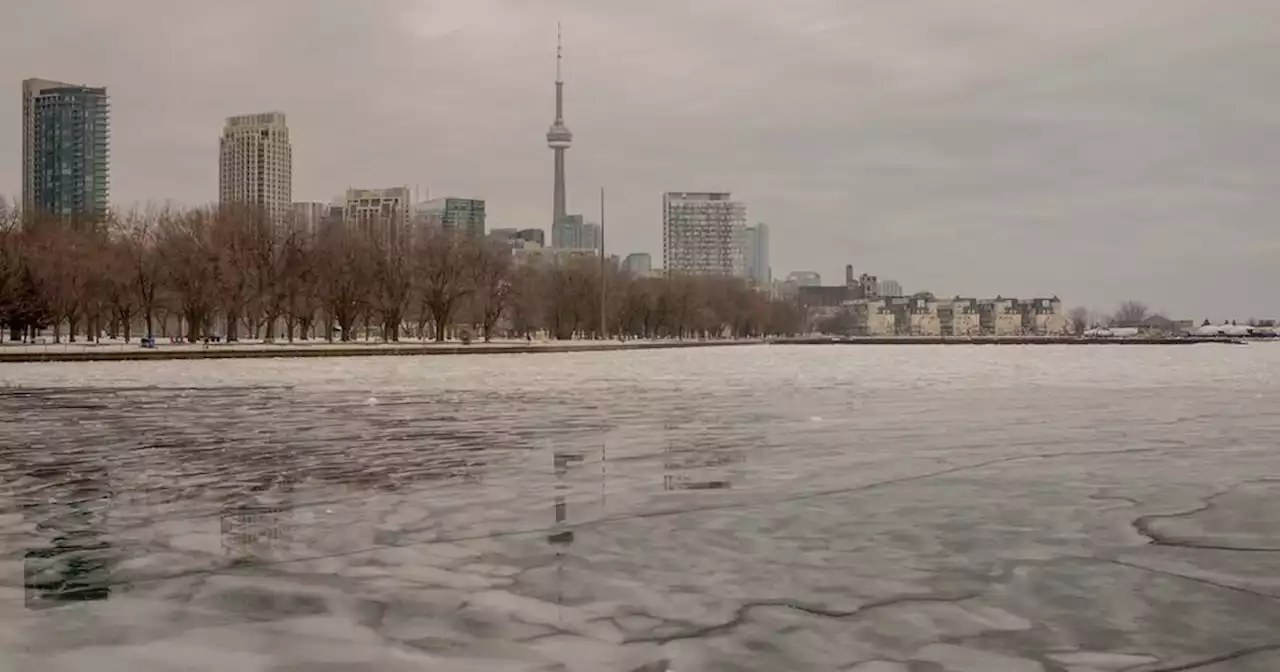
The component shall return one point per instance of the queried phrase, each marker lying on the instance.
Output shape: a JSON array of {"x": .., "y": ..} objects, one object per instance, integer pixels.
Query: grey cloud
[{"x": 1099, "y": 151}]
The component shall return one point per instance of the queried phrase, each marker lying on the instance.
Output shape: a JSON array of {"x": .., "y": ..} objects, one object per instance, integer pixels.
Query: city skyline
[{"x": 1005, "y": 157}]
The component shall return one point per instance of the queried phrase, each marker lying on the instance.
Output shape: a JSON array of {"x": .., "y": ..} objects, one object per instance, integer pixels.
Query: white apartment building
[
  {"x": 702, "y": 233},
  {"x": 255, "y": 164},
  {"x": 382, "y": 213}
]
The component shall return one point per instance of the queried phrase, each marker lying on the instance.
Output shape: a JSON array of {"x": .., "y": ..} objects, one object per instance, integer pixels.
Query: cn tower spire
[{"x": 558, "y": 139}]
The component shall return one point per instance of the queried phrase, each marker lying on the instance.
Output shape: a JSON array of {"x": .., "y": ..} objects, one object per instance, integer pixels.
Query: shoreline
[{"x": 133, "y": 352}]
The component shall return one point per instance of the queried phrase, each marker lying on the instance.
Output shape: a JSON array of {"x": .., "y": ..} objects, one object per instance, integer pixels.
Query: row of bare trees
[
  {"x": 1127, "y": 314},
  {"x": 224, "y": 273}
]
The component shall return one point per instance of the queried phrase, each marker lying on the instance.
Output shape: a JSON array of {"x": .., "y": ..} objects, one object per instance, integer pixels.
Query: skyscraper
[
  {"x": 458, "y": 216},
  {"x": 558, "y": 139},
  {"x": 756, "y": 251},
  {"x": 567, "y": 233},
  {"x": 702, "y": 233},
  {"x": 255, "y": 164},
  {"x": 380, "y": 213},
  {"x": 590, "y": 238},
  {"x": 65, "y": 148}
]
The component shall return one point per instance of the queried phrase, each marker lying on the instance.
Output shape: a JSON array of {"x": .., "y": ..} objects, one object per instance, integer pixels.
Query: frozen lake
[{"x": 878, "y": 509}]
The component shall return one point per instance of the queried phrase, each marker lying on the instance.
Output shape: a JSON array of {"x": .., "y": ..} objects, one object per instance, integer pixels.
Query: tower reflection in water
[
  {"x": 69, "y": 511},
  {"x": 699, "y": 462},
  {"x": 560, "y": 533},
  {"x": 253, "y": 523}
]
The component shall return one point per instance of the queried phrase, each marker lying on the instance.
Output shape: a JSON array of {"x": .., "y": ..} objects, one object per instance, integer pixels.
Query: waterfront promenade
[{"x": 120, "y": 351}]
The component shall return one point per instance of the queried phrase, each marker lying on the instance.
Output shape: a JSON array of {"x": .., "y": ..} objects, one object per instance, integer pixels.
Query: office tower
[
  {"x": 307, "y": 216},
  {"x": 256, "y": 165},
  {"x": 534, "y": 236},
  {"x": 890, "y": 288},
  {"x": 558, "y": 139},
  {"x": 702, "y": 233},
  {"x": 567, "y": 233},
  {"x": 461, "y": 216},
  {"x": 590, "y": 238},
  {"x": 638, "y": 263},
  {"x": 380, "y": 213},
  {"x": 756, "y": 252},
  {"x": 65, "y": 149}
]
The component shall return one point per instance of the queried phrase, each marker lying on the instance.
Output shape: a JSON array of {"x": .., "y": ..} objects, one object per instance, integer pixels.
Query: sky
[{"x": 1097, "y": 150}]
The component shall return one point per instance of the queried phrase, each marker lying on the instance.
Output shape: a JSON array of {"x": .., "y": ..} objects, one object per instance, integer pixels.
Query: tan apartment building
[
  {"x": 872, "y": 317},
  {"x": 255, "y": 164},
  {"x": 959, "y": 317},
  {"x": 1043, "y": 317},
  {"x": 1000, "y": 317}
]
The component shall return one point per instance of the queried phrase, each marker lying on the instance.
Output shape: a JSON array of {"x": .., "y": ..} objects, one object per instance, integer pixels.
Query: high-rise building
[
  {"x": 256, "y": 164},
  {"x": 756, "y": 252},
  {"x": 590, "y": 238},
  {"x": 382, "y": 213},
  {"x": 534, "y": 236},
  {"x": 638, "y": 263},
  {"x": 804, "y": 278},
  {"x": 890, "y": 288},
  {"x": 702, "y": 233},
  {"x": 559, "y": 139},
  {"x": 462, "y": 216},
  {"x": 307, "y": 216},
  {"x": 567, "y": 233},
  {"x": 65, "y": 148}
]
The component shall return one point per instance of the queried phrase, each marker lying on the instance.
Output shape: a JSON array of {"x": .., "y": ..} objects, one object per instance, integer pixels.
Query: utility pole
[{"x": 603, "y": 334}]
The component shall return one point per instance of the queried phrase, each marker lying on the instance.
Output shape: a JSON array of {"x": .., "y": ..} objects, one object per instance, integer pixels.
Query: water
[{"x": 880, "y": 509}]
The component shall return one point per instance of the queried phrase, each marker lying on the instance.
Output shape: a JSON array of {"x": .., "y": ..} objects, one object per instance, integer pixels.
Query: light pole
[{"x": 603, "y": 334}]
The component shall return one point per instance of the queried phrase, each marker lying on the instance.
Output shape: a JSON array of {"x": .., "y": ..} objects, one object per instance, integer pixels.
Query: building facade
[
  {"x": 566, "y": 234},
  {"x": 756, "y": 254},
  {"x": 65, "y": 149},
  {"x": 702, "y": 233},
  {"x": 533, "y": 236},
  {"x": 308, "y": 216},
  {"x": 255, "y": 164},
  {"x": 1000, "y": 317},
  {"x": 457, "y": 216},
  {"x": 804, "y": 278},
  {"x": 590, "y": 239},
  {"x": 890, "y": 288},
  {"x": 638, "y": 263},
  {"x": 380, "y": 213}
]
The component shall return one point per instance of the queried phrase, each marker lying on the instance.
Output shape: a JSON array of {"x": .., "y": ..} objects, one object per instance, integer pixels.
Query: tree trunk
[{"x": 233, "y": 327}]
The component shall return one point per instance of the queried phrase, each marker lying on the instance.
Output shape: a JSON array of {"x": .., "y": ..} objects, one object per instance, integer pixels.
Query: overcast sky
[{"x": 1098, "y": 149}]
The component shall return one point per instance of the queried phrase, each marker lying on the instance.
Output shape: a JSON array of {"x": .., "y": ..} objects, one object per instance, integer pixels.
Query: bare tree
[
  {"x": 1078, "y": 319},
  {"x": 235, "y": 233},
  {"x": 344, "y": 274},
  {"x": 300, "y": 281},
  {"x": 392, "y": 280},
  {"x": 443, "y": 280},
  {"x": 191, "y": 268},
  {"x": 492, "y": 278},
  {"x": 60, "y": 265},
  {"x": 1130, "y": 314},
  {"x": 572, "y": 294}
]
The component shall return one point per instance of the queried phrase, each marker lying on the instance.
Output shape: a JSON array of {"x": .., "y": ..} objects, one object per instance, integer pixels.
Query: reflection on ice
[{"x": 72, "y": 559}]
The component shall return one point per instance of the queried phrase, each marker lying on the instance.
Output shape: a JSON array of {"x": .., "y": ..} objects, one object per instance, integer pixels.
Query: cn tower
[{"x": 558, "y": 139}]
